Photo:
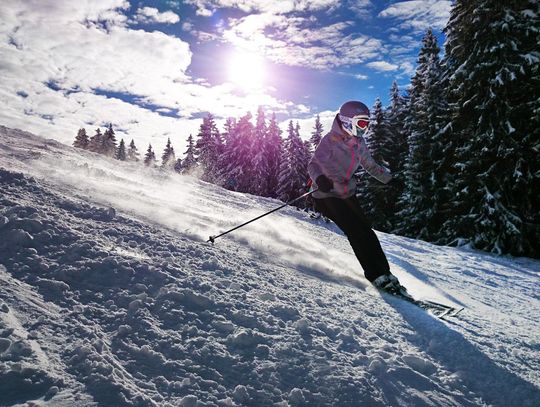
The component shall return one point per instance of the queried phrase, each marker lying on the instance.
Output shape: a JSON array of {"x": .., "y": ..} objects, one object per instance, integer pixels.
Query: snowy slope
[{"x": 110, "y": 296}]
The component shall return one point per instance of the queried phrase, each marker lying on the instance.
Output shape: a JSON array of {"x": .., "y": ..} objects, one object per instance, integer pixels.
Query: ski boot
[{"x": 390, "y": 284}]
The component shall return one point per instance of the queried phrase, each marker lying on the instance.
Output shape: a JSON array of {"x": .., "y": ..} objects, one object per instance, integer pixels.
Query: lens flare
[{"x": 246, "y": 70}]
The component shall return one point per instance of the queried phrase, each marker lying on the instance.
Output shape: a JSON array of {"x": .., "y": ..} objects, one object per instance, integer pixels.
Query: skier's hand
[{"x": 324, "y": 183}]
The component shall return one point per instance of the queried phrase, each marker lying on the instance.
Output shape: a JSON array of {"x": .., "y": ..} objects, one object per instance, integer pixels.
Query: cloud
[
  {"x": 419, "y": 14},
  {"x": 66, "y": 64},
  {"x": 382, "y": 66},
  {"x": 301, "y": 41},
  {"x": 208, "y": 7},
  {"x": 148, "y": 15}
]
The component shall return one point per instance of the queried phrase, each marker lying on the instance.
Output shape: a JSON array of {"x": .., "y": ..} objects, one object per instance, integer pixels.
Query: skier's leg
[{"x": 347, "y": 214}]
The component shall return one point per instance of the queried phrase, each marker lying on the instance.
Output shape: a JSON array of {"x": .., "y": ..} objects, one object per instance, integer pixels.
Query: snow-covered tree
[
  {"x": 168, "y": 158},
  {"x": 317, "y": 133},
  {"x": 237, "y": 171},
  {"x": 108, "y": 142},
  {"x": 273, "y": 151},
  {"x": 376, "y": 200},
  {"x": 209, "y": 147},
  {"x": 418, "y": 216},
  {"x": 398, "y": 148},
  {"x": 96, "y": 141},
  {"x": 293, "y": 175},
  {"x": 81, "y": 140},
  {"x": 121, "y": 151},
  {"x": 260, "y": 164},
  {"x": 133, "y": 152},
  {"x": 190, "y": 162},
  {"x": 150, "y": 157},
  {"x": 494, "y": 88}
]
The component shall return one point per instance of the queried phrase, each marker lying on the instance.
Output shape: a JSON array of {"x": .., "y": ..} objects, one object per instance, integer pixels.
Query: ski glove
[{"x": 324, "y": 183}]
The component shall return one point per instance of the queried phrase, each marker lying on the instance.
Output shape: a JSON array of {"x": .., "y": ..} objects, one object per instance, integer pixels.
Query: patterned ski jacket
[{"x": 338, "y": 156}]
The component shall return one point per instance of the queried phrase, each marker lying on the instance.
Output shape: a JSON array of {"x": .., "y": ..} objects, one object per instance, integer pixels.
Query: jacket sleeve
[
  {"x": 320, "y": 160},
  {"x": 367, "y": 162}
]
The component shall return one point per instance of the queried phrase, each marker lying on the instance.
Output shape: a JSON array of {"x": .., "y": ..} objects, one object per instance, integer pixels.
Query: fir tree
[
  {"x": 96, "y": 142},
  {"x": 121, "y": 151},
  {"x": 150, "y": 157},
  {"x": 260, "y": 156},
  {"x": 398, "y": 148},
  {"x": 293, "y": 174},
  {"x": 418, "y": 216},
  {"x": 317, "y": 133},
  {"x": 378, "y": 203},
  {"x": 133, "y": 152},
  {"x": 189, "y": 163},
  {"x": 82, "y": 140},
  {"x": 237, "y": 156},
  {"x": 108, "y": 142},
  {"x": 168, "y": 158},
  {"x": 209, "y": 146},
  {"x": 494, "y": 89},
  {"x": 273, "y": 152}
]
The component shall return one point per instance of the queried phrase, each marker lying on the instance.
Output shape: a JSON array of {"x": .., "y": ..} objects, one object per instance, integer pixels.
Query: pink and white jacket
[{"x": 338, "y": 156}]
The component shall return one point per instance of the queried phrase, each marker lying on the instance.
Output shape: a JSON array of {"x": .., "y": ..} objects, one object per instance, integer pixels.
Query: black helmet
[{"x": 354, "y": 117}]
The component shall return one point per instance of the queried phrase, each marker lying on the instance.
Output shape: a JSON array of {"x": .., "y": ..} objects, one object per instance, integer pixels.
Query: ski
[{"x": 435, "y": 308}]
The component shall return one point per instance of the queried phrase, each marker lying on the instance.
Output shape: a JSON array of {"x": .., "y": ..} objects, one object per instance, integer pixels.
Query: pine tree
[
  {"x": 260, "y": 156},
  {"x": 398, "y": 148},
  {"x": 273, "y": 152},
  {"x": 377, "y": 202},
  {"x": 317, "y": 133},
  {"x": 96, "y": 142},
  {"x": 237, "y": 172},
  {"x": 133, "y": 152},
  {"x": 494, "y": 90},
  {"x": 121, "y": 151},
  {"x": 418, "y": 218},
  {"x": 190, "y": 162},
  {"x": 150, "y": 157},
  {"x": 209, "y": 146},
  {"x": 168, "y": 158},
  {"x": 108, "y": 142},
  {"x": 82, "y": 140},
  {"x": 293, "y": 175}
]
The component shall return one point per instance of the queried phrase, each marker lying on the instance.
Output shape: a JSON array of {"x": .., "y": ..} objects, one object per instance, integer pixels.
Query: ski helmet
[{"x": 354, "y": 118}]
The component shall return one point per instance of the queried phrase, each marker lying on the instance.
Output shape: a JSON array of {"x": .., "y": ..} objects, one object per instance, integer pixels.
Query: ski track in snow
[{"x": 110, "y": 296}]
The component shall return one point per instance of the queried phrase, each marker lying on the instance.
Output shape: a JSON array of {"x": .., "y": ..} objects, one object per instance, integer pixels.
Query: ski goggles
[
  {"x": 362, "y": 122},
  {"x": 353, "y": 124}
]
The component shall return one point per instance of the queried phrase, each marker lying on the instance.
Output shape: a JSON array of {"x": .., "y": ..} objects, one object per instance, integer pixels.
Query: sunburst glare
[{"x": 246, "y": 70}]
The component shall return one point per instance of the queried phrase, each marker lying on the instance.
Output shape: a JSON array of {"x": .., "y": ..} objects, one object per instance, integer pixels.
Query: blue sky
[{"x": 153, "y": 68}]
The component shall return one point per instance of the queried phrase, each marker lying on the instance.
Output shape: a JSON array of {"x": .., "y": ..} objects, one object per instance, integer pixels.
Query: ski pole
[{"x": 213, "y": 238}]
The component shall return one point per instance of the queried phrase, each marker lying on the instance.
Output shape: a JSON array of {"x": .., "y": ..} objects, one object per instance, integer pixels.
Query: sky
[{"x": 154, "y": 68}]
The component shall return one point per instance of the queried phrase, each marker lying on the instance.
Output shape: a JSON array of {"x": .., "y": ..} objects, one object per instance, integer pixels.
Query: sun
[{"x": 246, "y": 70}]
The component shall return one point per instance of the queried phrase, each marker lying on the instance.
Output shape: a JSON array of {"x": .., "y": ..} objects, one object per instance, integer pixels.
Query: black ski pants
[{"x": 347, "y": 214}]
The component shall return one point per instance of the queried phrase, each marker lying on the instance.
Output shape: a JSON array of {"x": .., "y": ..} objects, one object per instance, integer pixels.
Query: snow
[{"x": 112, "y": 297}]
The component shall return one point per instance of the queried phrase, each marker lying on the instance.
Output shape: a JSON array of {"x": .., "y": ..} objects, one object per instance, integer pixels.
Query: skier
[{"x": 332, "y": 167}]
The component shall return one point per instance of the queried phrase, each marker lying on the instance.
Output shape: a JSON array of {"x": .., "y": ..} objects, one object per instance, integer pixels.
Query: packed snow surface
[{"x": 111, "y": 296}]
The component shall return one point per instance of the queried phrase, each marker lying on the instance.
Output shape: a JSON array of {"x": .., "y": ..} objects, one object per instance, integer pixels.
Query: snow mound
[{"x": 103, "y": 303}]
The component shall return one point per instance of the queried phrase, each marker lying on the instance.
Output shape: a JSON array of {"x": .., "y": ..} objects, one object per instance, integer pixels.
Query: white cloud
[
  {"x": 299, "y": 41},
  {"x": 208, "y": 7},
  {"x": 382, "y": 66},
  {"x": 307, "y": 125},
  {"x": 85, "y": 49},
  {"x": 420, "y": 14},
  {"x": 361, "y": 77},
  {"x": 147, "y": 15}
]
